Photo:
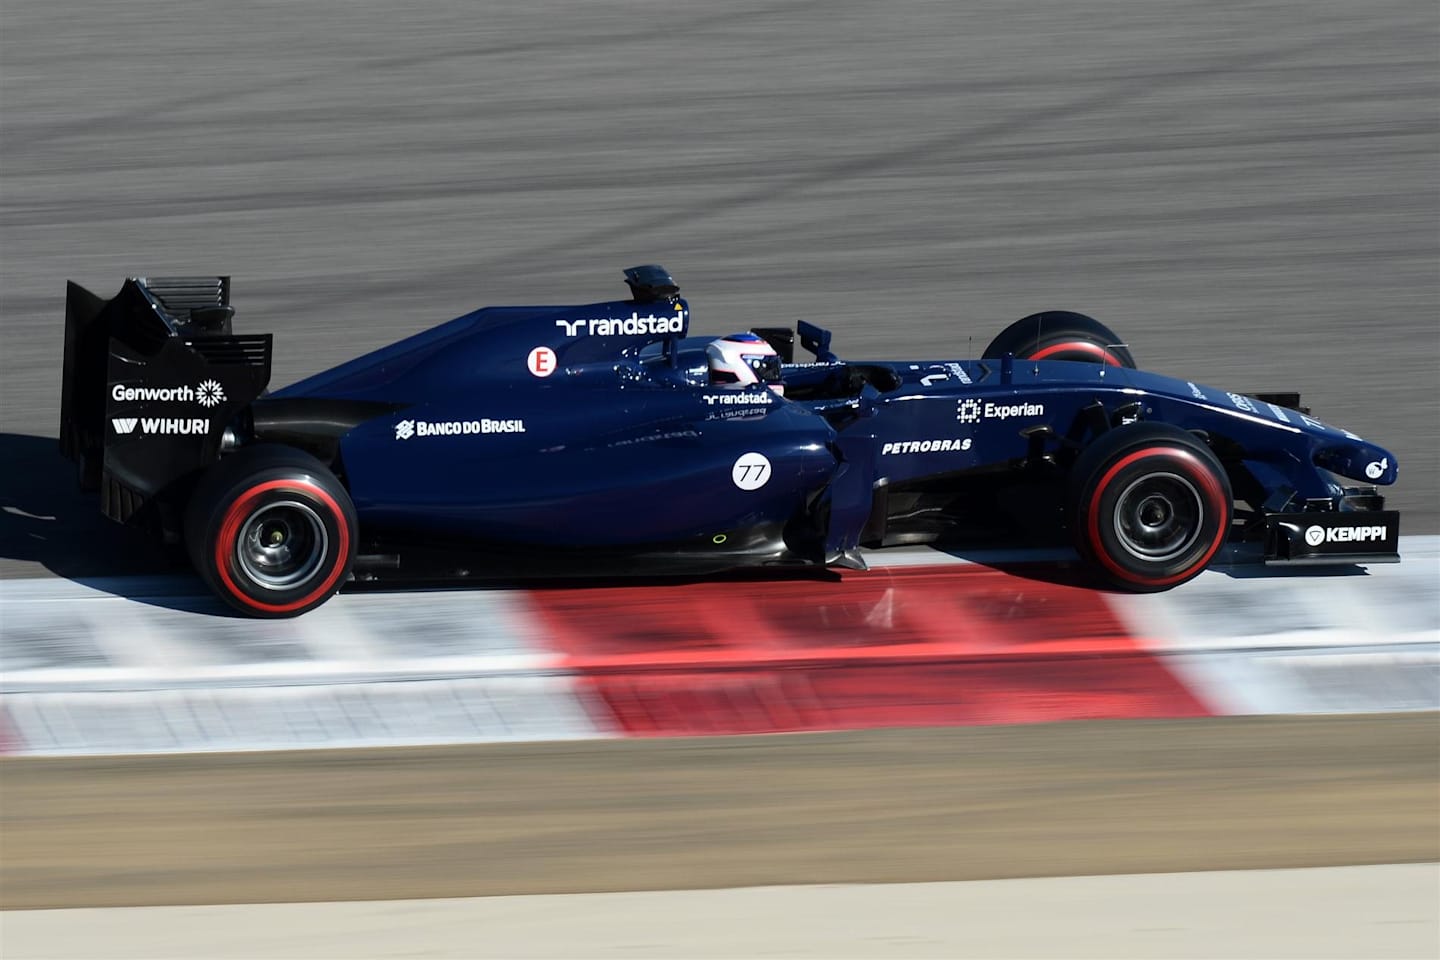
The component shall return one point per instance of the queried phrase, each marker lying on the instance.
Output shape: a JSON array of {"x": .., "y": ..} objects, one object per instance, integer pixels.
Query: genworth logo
[{"x": 210, "y": 393}]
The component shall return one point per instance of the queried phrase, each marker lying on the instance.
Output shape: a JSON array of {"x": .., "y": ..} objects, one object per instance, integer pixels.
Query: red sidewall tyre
[
  {"x": 1151, "y": 506},
  {"x": 1076, "y": 350},
  {"x": 272, "y": 532},
  {"x": 1060, "y": 335}
]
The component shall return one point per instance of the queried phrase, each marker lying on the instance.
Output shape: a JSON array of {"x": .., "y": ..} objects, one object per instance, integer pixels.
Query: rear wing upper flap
[
  {"x": 146, "y": 352},
  {"x": 816, "y": 340}
]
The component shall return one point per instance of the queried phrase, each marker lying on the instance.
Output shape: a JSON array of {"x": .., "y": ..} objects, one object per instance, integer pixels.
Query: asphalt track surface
[
  {"x": 1248, "y": 192},
  {"x": 860, "y": 807}
]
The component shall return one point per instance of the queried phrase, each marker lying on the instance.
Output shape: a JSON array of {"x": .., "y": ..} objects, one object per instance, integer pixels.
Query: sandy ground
[
  {"x": 861, "y": 807},
  {"x": 1342, "y": 912}
]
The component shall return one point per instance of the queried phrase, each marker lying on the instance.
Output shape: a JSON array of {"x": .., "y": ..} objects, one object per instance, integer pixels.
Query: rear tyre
[
  {"x": 1060, "y": 335},
  {"x": 271, "y": 531},
  {"x": 1150, "y": 506}
]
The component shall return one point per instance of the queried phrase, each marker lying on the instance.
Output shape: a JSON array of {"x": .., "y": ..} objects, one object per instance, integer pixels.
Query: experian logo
[{"x": 971, "y": 410}]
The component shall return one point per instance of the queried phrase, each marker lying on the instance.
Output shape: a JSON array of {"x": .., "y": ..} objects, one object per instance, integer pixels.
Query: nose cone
[{"x": 1360, "y": 461}]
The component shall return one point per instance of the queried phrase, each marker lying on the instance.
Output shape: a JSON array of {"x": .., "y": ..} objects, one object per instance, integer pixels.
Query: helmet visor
[{"x": 767, "y": 369}]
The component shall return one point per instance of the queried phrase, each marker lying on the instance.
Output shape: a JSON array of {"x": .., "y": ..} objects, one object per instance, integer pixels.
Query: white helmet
[{"x": 742, "y": 359}]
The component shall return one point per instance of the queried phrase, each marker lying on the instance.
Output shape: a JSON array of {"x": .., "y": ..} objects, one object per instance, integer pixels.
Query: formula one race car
[{"x": 604, "y": 439}]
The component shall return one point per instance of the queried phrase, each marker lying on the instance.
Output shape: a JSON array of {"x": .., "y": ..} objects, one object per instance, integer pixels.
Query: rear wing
[{"x": 151, "y": 380}]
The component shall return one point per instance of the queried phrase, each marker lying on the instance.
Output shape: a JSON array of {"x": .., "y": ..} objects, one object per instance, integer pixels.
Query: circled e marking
[{"x": 541, "y": 361}]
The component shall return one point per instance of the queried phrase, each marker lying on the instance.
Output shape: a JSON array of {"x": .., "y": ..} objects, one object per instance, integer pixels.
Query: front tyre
[
  {"x": 1150, "y": 506},
  {"x": 1060, "y": 335},
  {"x": 271, "y": 531}
]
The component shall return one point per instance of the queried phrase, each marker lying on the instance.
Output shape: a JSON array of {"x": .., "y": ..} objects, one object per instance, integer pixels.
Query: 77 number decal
[{"x": 751, "y": 471}]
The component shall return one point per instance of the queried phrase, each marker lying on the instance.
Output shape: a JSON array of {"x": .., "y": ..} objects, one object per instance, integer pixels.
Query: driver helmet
[{"x": 742, "y": 359}]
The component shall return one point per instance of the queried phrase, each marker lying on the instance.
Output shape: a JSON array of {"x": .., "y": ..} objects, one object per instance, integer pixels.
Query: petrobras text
[
  {"x": 946, "y": 445},
  {"x": 632, "y": 326},
  {"x": 406, "y": 429}
]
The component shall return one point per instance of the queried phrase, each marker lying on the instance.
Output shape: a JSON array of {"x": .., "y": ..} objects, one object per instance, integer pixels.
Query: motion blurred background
[{"x": 1247, "y": 191}]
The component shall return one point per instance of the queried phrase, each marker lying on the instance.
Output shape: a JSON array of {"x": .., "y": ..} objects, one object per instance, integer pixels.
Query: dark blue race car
[{"x": 605, "y": 439}]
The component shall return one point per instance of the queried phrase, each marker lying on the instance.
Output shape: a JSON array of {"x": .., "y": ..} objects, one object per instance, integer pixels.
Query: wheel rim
[
  {"x": 1158, "y": 517},
  {"x": 282, "y": 545}
]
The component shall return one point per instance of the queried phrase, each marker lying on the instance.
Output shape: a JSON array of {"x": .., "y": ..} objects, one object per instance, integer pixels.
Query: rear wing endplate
[{"x": 151, "y": 379}]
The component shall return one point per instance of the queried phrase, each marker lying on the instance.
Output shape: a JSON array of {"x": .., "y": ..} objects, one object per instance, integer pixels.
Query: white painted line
[
  {"x": 125, "y": 645},
  {"x": 223, "y": 719},
  {"x": 1315, "y": 643}
]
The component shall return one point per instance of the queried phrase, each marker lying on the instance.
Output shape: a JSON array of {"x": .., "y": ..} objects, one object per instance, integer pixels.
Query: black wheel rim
[
  {"x": 1158, "y": 517},
  {"x": 282, "y": 545}
]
